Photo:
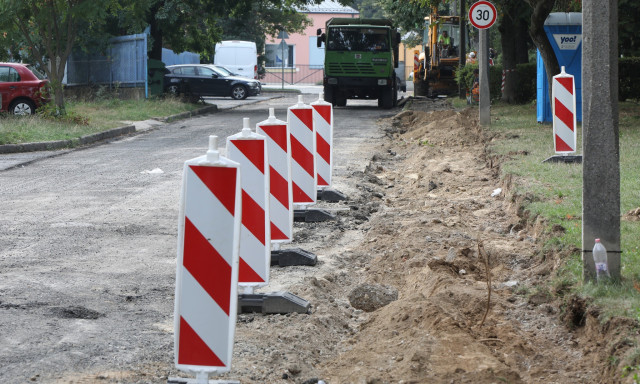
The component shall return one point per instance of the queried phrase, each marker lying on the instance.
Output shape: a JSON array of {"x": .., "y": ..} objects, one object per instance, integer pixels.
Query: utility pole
[{"x": 600, "y": 143}]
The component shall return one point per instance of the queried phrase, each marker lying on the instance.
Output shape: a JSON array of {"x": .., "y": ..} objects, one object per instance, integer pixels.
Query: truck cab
[{"x": 360, "y": 60}]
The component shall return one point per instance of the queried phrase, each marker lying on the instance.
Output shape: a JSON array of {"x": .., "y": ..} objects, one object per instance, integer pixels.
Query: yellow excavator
[{"x": 440, "y": 56}]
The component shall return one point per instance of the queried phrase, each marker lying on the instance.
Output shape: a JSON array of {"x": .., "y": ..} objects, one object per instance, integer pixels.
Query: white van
[{"x": 239, "y": 57}]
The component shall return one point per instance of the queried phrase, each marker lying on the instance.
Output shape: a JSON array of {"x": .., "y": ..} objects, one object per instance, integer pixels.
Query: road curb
[
  {"x": 185, "y": 115},
  {"x": 98, "y": 136}
]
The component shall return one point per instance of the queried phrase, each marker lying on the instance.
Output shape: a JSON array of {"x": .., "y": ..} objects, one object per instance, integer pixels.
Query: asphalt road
[{"x": 88, "y": 242}]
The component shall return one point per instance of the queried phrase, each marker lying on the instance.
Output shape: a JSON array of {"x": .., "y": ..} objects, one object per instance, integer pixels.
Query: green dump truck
[{"x": 360, "y": 60}]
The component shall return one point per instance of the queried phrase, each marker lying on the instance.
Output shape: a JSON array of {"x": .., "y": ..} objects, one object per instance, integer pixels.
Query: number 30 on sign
[{"x": 482, "y": 14}]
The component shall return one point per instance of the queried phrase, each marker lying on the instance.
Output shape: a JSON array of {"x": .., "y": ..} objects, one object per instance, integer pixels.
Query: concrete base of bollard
[
  {"x": 331, "y": 195},
  {"x": 292, "y": 256},
  {"x": 567, "y": 159},
  {"x": 312, "y": 215},
  {"x": 272, "y": 303}
]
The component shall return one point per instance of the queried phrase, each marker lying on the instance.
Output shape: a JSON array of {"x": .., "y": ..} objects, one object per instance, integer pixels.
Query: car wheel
[
  {"x": 239, "y": 92},
  {"x": 22, "y": 107},
  {"x": 173, "y": 90}
]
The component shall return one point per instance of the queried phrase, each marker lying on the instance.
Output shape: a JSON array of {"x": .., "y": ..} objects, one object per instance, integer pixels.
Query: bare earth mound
[{"x": 428, "y": 224}]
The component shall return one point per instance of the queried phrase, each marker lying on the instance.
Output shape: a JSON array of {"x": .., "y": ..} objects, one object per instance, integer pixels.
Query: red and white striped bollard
[
  {"x": 303, "y": 148},
  {"x": 206, "y": 296},
  {"x": 564, "y": 113},
  {"x": 280, "y": 199},
  {"x": 249, "y": 149},
  {"x": 323, "y": 125}
]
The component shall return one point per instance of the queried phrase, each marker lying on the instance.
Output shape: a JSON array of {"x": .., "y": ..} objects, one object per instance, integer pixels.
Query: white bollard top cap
[
  {"x": 321, "y": 96},
  {"x": 213, "y": 155},
  {"x": 246, "y": 130},
  {"x": 272, "y": 114},
  {"x": 300, "y": 100}
]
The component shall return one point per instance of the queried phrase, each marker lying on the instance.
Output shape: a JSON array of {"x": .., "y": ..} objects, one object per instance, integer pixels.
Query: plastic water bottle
[{"x": 600, "y": 259}]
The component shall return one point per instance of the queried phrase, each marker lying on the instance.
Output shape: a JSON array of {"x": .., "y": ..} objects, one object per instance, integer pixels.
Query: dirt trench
[
  {"x": 442, "y": 231},
  {"x": 436, "y": 228}
]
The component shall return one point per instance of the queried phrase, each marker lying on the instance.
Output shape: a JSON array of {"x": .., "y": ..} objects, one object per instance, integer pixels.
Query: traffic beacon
[
  {"x": 281, "y": 196},
  {"x": 565, "y": 138},
  {"x": 323, "y": 124},
  {"x": 206, "y": 296},
  {"x": 249, "y": 149},
  {"x": 303, "y": 164}
]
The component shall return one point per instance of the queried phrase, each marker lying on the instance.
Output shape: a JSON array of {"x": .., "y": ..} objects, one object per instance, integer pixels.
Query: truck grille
[{"x": 337, "y": 69}]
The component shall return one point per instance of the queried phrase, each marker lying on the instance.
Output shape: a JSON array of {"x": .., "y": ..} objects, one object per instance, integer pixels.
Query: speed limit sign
[{"x": 482, "y": 14}]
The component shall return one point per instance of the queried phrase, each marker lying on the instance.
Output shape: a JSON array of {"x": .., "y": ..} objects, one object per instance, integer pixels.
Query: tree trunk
[
  {"x": 463, "y": 46},
  {"x": 522, "y": 33},
  {"x": 58, "y": 97},
  {"x": 156, "y": 33},
  {"x": 515, "y": 42},
  {"x": 509, "y": 44},
  {"x": 541, "y": 9}
]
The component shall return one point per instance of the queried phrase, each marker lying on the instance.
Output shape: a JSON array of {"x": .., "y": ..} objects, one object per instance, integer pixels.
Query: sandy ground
[{"x": 428, "y": 224}]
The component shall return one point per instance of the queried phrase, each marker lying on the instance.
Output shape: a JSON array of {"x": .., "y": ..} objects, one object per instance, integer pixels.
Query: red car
[{"x": 23, "y": 88}]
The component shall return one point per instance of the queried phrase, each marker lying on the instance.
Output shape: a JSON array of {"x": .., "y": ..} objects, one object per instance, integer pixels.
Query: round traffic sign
[{"x": 482, "y": 14}]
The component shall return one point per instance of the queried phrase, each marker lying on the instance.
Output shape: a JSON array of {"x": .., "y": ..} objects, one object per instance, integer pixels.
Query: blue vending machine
[{"x": 564, "y": 31}]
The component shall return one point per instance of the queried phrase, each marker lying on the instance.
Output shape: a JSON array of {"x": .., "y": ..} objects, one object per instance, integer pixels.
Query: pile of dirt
[
  {"x": 442, "y": 206},
  {"x": 431, "y": 273}
]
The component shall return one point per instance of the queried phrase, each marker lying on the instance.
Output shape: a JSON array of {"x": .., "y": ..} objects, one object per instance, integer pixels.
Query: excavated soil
[{"x": 472, "y": 305}]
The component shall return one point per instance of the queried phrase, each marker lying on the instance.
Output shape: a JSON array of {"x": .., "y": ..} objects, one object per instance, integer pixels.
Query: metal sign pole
[
  {"x": 483, "y": 15},
  {"x": 485, "y": 97},
  {"x": 283, "y": 48}
]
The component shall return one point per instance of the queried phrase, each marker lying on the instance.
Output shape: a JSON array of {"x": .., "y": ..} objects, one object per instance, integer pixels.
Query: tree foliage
[
  {"x": 370, "y": 9},
  {"x": 260, "y": 20},
  {"x": 628, "y": 20},
  {"x": 46, "y": 31},
  {"x": 196, "y": 25}
]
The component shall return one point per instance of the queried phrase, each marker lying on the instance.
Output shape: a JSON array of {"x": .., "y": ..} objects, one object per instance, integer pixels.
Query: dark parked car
[
  {"x": 198, "y": 80},
  {"x": 23, "y": 88}
]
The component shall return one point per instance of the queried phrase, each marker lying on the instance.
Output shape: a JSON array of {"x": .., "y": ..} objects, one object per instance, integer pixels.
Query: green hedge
[
  {"x": 526, "y": 80},
  {"x": 629, "y": 78}
]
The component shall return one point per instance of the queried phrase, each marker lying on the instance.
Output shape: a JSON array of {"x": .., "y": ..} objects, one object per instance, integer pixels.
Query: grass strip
[
  {"x": 554, "y": 192},
  {"x": 84, "y": 118}
]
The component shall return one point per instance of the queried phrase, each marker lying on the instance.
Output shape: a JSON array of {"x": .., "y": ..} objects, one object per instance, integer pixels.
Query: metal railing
[{"x": 298, "y": 74}]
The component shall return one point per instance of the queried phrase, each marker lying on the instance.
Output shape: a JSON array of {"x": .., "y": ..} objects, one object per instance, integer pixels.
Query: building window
[
  {"x": 274, "y": 54},
  {"x": 316, "y": 55}
]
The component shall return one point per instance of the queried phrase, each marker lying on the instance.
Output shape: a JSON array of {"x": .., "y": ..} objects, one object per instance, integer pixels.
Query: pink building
[{"x": 303, "y": 60}]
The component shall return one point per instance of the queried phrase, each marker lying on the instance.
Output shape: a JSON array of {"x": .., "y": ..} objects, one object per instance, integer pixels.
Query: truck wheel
[
  {"x": 395, "y": 95},
  {"x": 341, "y": 101},
  {"x": 387, "y": 98},
  {"x": 329, "y": 96}
]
